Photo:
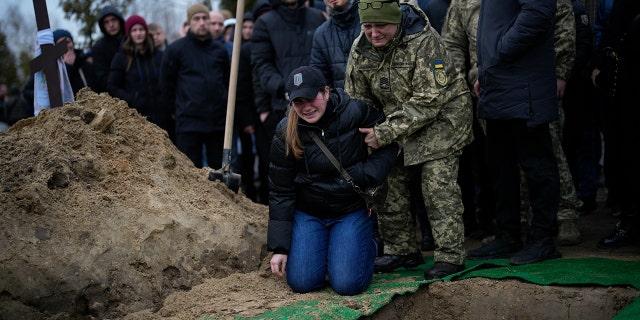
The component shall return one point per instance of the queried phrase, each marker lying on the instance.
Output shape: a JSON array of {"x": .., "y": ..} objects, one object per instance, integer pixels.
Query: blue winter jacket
[
  {"x": 516, "y": 61},
  {"x": 332, "y": 42},
  {"x": 282, "y": 41}
]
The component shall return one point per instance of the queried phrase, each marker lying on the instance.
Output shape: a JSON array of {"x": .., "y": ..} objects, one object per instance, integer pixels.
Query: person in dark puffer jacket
[
  {"x": 333, "y": 39},
  {"x": 318, "y": 225},
  {"x": 282, "y": 41}
]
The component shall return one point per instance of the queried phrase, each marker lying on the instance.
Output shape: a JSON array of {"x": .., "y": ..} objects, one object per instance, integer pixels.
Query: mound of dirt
[{"x": 102, "y": 216}]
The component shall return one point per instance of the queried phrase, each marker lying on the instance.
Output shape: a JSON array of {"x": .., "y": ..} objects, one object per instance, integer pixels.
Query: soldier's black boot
[{"x": 389, "y": 262}]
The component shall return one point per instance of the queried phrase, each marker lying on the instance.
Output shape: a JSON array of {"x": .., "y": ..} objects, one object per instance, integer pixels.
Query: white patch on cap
[{"x": 297, "y": 79}]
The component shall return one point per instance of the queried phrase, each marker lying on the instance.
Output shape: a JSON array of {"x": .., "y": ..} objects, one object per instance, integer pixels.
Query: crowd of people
[{"x": 467, "y": 118}]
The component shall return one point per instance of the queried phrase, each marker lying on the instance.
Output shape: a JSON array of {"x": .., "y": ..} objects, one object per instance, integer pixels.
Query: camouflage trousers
[
  {"x": 444, "y": 208},
  {"x": 569, "y": 202}
]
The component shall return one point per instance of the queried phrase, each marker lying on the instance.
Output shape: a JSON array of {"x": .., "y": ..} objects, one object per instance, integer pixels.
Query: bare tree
[{"x": 20, "y": 38}]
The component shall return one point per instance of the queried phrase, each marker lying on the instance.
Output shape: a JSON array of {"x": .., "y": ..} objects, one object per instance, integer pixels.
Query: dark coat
[
  {"x": 623, "y": 35},
  {"x": 194, "y": 77},
  {"x": 282, "y": 41},
  {"x": 312, "y": 184},
  {"x": 332, "y": 42},
  {"x": 105, "y": 49},
  {"x": 103, "y": 52},
  {"x": 138, "y": 85},
  {"x": 436, "y": 11},
  {"x": 245, "y": 113},
  {"x": 516, "y": 61}
]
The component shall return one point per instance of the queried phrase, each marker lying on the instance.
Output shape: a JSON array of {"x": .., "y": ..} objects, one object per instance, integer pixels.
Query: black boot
[
  {"x": 623, "y": 235},
  {"x": 389, "y": 262},
  {"x": 540, "y": 246},
  {"x": 441, "y": 270}
]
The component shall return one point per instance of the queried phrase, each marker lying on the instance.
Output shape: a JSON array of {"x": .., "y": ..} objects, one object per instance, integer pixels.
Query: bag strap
[
  {"x": 368, "y": 195},
  {"x": 333, "y": 159}
]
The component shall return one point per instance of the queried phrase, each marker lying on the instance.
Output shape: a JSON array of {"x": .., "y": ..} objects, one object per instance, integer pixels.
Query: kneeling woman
[{"x": 319, "y": 226}]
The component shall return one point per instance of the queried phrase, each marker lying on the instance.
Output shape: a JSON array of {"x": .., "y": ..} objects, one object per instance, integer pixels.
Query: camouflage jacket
[
  {"x": 459, "y": 36},
  {"x": 427, "y": 103},
  {"x": 565, "y": 39},
  {"x": 461, "y": 26}
]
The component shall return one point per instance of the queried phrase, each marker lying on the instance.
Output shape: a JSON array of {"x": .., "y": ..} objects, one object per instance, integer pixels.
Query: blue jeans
[{"x": 340, "y": 249}]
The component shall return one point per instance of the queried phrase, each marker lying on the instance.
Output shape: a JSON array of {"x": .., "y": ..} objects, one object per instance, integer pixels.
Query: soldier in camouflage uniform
[
  {"x": 459, "y": 37},
  {"x": 400, "y": 64}
]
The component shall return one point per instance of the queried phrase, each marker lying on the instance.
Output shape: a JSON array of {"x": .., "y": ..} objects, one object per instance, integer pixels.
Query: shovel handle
[{"x": 233, "y": 79}]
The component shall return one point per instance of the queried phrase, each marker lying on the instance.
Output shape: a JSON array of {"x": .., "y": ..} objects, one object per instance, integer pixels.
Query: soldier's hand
[
  {"x": 562, "y": 84},
  {"x": 263, "y": 116},
  {"x": 370, "y": 137}
]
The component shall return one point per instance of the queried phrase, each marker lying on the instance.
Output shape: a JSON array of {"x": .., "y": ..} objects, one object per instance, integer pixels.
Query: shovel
[{"x": 224, "y": 174}]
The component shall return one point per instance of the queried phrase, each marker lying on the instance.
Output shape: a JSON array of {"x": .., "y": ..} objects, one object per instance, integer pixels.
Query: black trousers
[
  {"x": 511, "y": 145},
  {"x": 190, "y": 143}
]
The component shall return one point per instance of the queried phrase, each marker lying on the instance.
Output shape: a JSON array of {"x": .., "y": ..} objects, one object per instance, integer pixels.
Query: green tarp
[{"x": 558, "y": 272}]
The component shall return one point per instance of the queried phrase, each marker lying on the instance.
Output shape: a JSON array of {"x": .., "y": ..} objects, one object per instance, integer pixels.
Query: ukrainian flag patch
[{"x": 439, "y": 73}]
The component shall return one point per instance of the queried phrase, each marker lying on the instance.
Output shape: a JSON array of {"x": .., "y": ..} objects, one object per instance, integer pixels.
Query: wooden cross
[{"x": 47, "y": 61}]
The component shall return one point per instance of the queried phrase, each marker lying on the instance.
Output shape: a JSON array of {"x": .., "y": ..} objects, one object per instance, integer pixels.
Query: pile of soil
[{"x": 102, "y": 217}]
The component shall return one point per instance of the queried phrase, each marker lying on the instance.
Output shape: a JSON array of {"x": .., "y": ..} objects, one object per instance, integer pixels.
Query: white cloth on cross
[{"x": 40, "y": 92}]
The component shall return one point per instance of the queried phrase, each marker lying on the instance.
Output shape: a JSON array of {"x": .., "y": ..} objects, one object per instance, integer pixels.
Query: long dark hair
[{"x": 130, "y": 50}]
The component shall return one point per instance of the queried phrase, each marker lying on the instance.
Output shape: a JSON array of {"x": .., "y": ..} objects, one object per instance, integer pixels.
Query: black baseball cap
[{"x": 305, "y": 82}]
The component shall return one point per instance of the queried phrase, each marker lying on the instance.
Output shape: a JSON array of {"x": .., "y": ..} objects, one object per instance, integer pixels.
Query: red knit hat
[{"x": 132, "y": 21}]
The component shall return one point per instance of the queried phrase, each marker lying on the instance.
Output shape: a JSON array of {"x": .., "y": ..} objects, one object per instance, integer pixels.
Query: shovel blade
[{"x": 230, "y": 179}]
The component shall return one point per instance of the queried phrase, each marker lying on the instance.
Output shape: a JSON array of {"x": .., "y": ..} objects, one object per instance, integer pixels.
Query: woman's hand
[
  {"x": 278, "y": 264},
  {"x": 69, "y": 57}
]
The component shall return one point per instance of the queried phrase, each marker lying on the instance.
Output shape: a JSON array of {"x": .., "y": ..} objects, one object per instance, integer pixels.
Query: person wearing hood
[
  {"x": 319, "y": 228},
  {"x": 111, "y": 24},
  {"x": 400, "y": 65}
]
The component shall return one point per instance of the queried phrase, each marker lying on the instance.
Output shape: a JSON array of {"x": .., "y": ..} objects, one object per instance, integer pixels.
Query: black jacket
[
  {"x": 332, "y": 42},
  {"x": 194, "y": 79},
  {"x": 138, "y": 85},
  {"x": 282, "y": 41},
  {"x": 516, "y": 61},
  {"x": 105, "y": 49},
  {"x": 312, "y": 184},
  {"x": 245, "y": 114},
  {"x": 436, "y": 11}
]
